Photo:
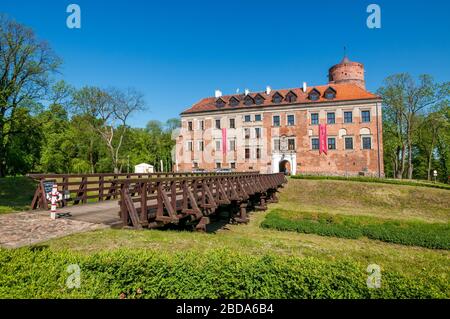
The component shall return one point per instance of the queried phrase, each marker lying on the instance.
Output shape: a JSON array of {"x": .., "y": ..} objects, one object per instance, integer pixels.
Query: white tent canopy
[{"x": 143, "y": 168}]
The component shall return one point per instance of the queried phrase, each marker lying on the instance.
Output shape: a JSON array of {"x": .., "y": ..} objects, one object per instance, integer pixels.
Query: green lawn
[
  {"x": 258, "y": 255},
  {"x": 16, "y": 194}
]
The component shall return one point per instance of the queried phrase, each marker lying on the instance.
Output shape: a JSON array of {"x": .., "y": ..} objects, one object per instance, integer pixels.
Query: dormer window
[
  {"x": 234, "y": 101},
  {"x": 314, "y": 95},
  {"x": 330, "y": 93},
  {"x": 220, "y": 102},
  {"x": 248, "y": 100},
  {"x": 277, "y": 98},
  {"x": 291, "y": 97},
  {"x": 259, "y": 99}
]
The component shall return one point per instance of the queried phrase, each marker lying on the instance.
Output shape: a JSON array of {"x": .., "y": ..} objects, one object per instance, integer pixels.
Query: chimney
[
  {"x": 247, "y": 91},
  {"x": 304, "y": 87},
  {"x": 268, "y": 90},
  {"x": 218, "y": 93}
]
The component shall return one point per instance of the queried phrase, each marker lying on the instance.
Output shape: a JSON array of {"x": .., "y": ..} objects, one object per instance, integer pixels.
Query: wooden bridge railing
[
  {"x": 82, "y": 188},
  {"x": 155, "y": 202}
]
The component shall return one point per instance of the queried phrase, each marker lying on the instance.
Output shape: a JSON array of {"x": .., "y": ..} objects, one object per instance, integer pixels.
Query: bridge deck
[{"x": 106, "y": 212}]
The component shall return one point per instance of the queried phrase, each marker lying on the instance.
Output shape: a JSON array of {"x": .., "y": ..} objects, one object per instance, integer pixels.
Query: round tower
[{"x": 347, "y": 72}]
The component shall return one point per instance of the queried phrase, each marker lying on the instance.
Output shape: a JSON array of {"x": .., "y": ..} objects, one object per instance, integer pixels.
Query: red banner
[
  {"x": 322, "y": 138},
  {"x": 224, "y": 141}
]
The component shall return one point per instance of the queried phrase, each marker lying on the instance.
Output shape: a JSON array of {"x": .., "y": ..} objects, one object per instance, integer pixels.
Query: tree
[
  {"x": 109, "y": 111},
  {"x": 25, "y": 66},
  {"x": 429, "y": 131},
  {"x": 404, "y": 100}
]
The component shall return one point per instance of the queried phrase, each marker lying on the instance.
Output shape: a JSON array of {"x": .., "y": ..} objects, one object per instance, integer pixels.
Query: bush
[
  {"x": 41, "y": 273},
  {"x": 416, "y": 233},
  {"x": 374, "y": 180}
]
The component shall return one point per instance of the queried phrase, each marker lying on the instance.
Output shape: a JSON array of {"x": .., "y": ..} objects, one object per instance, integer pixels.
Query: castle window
[
  {"x": 257, "y": 117},
  {"x": 232, "y": 145},
  {"x": 314, "y": 143},
  {"x": 331, "y": 143},
  {"x": 330, "y": 93},
  {"x": 257, "y": 132},
  {"x": 248, "y": 100},
  {"x": 258, "y": 153},
  {"x": 276, "y": 120},
  {"x": 247, "y": 118},
  {"x": 348, "y": 143},
  {"x": 314, "y": 118},
  {"x": 291, "y": 97},
  {"x": 201, "y": 146},
  {"x": 232, "y": 123},
  {"x": 331, "y": 118},
  {"x": 276, "y": 144},
  {"x": 291, "y": 119},
  {"x": 247, "y": 153},
  {"x": 365, "y": 116},
  {"x": 190, "y": 126},
  {"x": 247, "y": 133},
  {"x": 291, "y": 144},
  {"x": 348, "y": 117},
  {"x": 234, "y": 101},
  {"x": 259, "y": 99},
  {"x": 366, "y": 143},
  {"x": 220, "y": 102},
  {"x": 314, "y": 95},
  {"x": 277, "y": 98},
  {"x": 217, "y": 124}
]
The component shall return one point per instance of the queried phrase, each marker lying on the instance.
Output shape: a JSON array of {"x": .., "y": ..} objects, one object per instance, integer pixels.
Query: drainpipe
[{"x": 378, "y": 143}]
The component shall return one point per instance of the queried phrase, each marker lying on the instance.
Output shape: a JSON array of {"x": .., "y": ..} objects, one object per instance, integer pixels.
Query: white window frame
[
  {"x": 310, "y": 117},
  {"x": 273, "y": 144},
  {"x": 198, "y": 146},
  {"x": 311, "y": 144},
  {"x": 287, "y": 121},
  {"x": 335, "y": 142},
  {"x": 220, "y": 145},
  {"x": 361, "y": 117},
  {"x": 190, "y": 149},
  {"x": 273, "y": 120},
  {"x": 371, "y": 142},
  {"x": 353, "y": 143},
  {"x": 215, "y": 125}
]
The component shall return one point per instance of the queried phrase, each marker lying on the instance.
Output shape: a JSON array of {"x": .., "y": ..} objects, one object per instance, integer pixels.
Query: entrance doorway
[{"x": 285, "y": 167}]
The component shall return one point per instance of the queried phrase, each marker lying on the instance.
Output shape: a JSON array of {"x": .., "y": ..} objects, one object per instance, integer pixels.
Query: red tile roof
[{"x": 344, "y": 92}]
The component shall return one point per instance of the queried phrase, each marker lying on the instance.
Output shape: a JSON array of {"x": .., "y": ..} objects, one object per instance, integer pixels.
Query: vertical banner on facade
[
  {"x": 224, "y": 141},
  {"x": 322, "y": 138}
]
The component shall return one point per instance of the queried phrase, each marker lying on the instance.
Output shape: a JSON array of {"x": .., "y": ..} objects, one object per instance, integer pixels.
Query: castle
[{"x": 331, "y": 129}]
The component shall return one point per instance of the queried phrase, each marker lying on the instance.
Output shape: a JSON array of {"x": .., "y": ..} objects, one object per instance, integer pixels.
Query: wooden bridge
[{"x": 155, "y": 200}]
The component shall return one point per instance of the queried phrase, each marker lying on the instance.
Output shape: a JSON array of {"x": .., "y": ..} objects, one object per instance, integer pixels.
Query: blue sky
[{"x": 177, "y": 52}]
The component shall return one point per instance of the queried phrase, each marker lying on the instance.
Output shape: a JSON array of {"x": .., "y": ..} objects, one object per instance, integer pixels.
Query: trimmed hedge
[
  {"x": 416, "y": 233},
  {"x": 41, "y": 273},
  {"x": 374, "y": 180}
]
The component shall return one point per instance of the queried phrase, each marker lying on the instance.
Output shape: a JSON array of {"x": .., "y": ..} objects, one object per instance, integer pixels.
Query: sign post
[
  {"x": 54, "y": 196},
  {"x": 435, "y": 175}
]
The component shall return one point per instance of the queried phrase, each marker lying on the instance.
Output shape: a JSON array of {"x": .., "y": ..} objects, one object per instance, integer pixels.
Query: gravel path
[{"x": 26, "y": 228}]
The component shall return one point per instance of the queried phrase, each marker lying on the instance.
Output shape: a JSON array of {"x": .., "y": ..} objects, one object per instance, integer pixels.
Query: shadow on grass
[{"x": 16, "y": 194}]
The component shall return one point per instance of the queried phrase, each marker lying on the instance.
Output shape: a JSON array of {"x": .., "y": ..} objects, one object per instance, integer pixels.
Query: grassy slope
[
  {"x": 16, "y": 194},
  {"x": 388, "y": 201},
  {"x": 372, "y": 199}
]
